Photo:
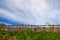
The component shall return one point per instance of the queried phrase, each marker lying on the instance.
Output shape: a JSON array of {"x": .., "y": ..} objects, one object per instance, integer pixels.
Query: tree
[{"x": 1, "y": 26}]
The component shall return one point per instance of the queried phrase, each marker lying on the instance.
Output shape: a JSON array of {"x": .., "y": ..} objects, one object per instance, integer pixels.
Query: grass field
[{"x": 29, "y": 35}]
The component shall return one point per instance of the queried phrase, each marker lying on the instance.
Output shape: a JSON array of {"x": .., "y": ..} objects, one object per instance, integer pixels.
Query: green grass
[{"x": 29, "y": 35}]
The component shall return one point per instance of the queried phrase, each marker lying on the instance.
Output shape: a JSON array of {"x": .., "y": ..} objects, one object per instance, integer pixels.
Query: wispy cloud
[{"x": 30, "y": 11}]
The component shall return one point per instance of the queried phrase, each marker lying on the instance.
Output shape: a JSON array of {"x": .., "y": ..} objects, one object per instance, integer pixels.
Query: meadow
[{"x": 27, "y": 34}]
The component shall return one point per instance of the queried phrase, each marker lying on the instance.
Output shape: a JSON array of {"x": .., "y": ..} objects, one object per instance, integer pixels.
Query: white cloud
[
  {"x": 10, "y": 16},
  {"x": 33, "y": 11}
]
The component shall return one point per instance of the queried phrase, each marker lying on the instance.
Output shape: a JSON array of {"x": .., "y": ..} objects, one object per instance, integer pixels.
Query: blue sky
[{"x": 30, "y": 11}]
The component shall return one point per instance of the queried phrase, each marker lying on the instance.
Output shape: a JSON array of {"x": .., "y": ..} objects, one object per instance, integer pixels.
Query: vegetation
[{"x": 28, "y": 34}]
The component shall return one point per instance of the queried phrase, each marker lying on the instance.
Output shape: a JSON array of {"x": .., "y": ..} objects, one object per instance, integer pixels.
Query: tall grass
[{"x": 29, "y": 35}]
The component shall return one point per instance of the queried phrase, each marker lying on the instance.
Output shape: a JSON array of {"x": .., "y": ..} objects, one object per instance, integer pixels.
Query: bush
[{"x": 30, "y": 35}]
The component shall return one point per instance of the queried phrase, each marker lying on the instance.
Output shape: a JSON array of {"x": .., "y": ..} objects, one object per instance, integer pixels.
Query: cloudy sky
[{"x": 30, "y": 11}]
